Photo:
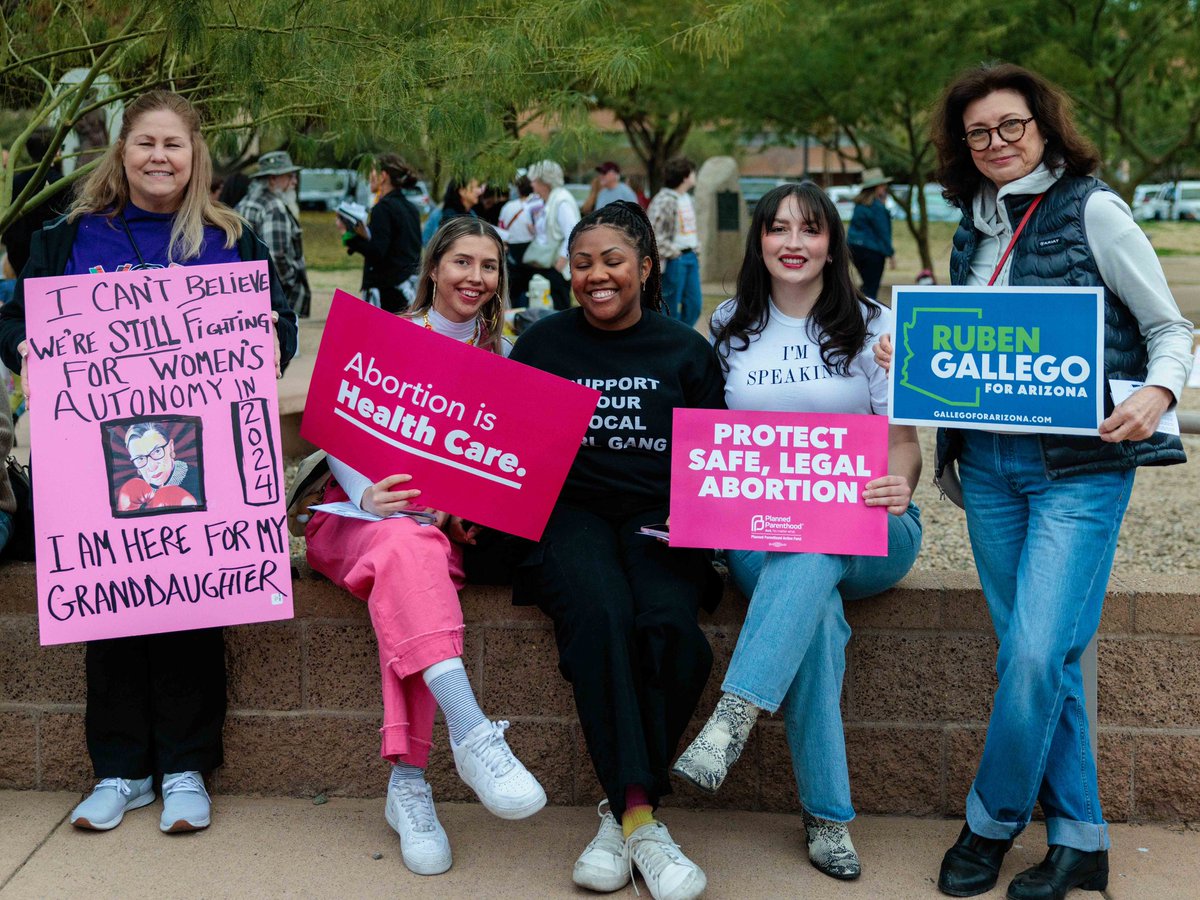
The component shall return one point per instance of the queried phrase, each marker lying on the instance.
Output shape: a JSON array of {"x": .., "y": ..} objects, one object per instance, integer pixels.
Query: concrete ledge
[{"x": 304, "y": 701}]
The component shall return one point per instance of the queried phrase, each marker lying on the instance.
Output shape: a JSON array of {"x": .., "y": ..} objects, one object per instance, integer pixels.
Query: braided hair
[{"x": 631, "y": 220}]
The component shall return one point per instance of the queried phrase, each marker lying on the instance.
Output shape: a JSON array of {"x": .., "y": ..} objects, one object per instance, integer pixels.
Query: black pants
[
  {"x": 559, "y": 288},
  {"x": 518, "y": 276},
  {"x": 624, "y": 608},
  {"x": 156, "y": 703},
  {"x": 870, "y": 266}
]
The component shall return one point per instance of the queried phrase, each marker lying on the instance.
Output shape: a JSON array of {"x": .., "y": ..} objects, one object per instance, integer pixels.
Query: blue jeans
[
  {"x": 791, "y": 653},
  {"x": 1044, "y": 549},
  {"x": 6, "y": 527},
  {"x": 681, "y": 288}
]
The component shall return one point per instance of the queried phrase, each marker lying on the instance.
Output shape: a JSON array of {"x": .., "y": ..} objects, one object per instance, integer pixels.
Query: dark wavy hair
[
  {"x": 837, "y": 321},
  {"x": 629, "y": 219},
  {"x": 1048, "y": 104},
  {"x": 401, "y": 174}
]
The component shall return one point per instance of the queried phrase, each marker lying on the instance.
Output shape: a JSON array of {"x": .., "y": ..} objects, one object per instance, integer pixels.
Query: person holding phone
[
  {"x": 409, "y": 573},
  {"x": 798, "y": 337},
  {"x": 624, "y": 605}
]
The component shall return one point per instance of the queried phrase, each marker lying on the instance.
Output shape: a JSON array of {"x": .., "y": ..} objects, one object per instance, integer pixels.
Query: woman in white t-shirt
[{"x": 798, "y": 337}]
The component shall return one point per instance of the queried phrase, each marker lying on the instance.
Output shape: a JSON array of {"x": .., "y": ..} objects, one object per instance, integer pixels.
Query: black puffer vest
[{"x": 1053, "y": 251}]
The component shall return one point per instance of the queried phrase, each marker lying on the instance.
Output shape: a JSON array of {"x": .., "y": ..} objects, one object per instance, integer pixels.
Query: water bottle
[{"x": 539, "y": 291}]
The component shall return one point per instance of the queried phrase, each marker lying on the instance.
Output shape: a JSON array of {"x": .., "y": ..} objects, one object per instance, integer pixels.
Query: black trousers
[
  {"x": 156, "y": 703},
  {"x": 870, "y": 266},
  {"x": 518, "y": 276},
  {"x": 624, "y": 608},
  {"x": 560, "y": 289}
]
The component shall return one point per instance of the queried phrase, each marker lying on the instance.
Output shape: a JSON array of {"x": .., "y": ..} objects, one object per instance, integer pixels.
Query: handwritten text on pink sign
[
  {"x": 790, "y": 482},
  {"x": 484, "y": 438},
  {"x": 159, "y": 498}
]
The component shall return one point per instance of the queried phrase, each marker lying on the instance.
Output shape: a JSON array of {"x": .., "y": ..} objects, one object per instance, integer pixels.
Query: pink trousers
[{"x": 410, "y": 576}]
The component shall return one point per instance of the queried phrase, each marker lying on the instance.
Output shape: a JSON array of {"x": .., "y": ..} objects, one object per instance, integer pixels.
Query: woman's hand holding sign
[
  {"x": 883, "y": 352},
  {"x": 23, "y": 349},
  {"x": 278, "y": 352},
  {"x": 383, "y": 501},
  {"x": 892, "y": 491},
  {"x": 1137, "y": 417}
]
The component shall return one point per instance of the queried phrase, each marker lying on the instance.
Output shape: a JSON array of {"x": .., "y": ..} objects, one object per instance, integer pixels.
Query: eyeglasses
[
  {"x": 1010, "y": 130},
  {"x": 156, "y": 454}
]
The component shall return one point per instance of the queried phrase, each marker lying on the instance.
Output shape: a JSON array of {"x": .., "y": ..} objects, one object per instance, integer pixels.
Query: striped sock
[
  {"x": 638, "y": 811},
  {"x": 448, "y": 683},
  {"x": 405, "y": 772}
]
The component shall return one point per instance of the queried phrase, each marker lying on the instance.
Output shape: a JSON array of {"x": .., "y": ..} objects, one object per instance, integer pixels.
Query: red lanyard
[{"x": 1016, "y": 234}]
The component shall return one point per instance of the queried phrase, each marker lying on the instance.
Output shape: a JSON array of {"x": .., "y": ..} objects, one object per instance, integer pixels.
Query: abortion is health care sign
[
  {"x": 159, "y": 499},
  {"x": 483, "y": 437},
  {"x": 791, "y": 482},
  {"x": 1002, "y": 359}
]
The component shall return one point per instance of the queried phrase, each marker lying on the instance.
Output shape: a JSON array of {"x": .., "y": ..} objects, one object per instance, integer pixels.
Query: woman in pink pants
[{"x": 407, "y": 566}]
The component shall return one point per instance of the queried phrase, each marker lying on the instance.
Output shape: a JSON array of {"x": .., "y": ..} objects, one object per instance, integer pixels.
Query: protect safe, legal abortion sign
[
  {"x": 159, "y": 502},
  {"x": 1002, "y": 359},
  {"x": 483, "y": 437},
  {"x": 791, "y": 482}
]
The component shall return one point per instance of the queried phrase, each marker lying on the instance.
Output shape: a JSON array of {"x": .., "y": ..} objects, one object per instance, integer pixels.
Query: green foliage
[{"x": 451, "y": 82}]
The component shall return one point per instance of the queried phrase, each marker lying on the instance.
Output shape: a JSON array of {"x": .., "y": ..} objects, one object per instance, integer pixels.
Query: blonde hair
[
  {"x": 106, "y": 190},
  {"x": 491, "y": 314}
]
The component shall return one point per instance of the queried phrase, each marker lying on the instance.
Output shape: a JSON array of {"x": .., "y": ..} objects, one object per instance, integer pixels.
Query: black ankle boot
[
  {"x": 1062, "y": 869},
  {"x": 972, "y": 865}
]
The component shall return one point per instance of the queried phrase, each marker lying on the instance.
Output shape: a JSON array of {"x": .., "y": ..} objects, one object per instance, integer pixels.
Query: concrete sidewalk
[{"x": 272, "y": 847}]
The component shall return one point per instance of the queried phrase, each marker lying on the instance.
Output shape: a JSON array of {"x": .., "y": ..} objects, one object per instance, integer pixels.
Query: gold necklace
[{"x": 470, "y": 341}]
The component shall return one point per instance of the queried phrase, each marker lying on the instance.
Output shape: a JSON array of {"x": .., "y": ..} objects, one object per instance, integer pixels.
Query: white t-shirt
[
  {"x": 782, "y": 369},
  {"x": 687, "y": 236}
]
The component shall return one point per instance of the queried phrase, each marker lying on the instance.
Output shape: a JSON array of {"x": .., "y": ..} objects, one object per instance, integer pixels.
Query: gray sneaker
[
  {"x": 668, "y": 873},
  {"x": 603, "y": 865},
  {"x": 110, "y": 800},
  {"x": 424, "y": 846},
  {"x": 186, "y": 806}
]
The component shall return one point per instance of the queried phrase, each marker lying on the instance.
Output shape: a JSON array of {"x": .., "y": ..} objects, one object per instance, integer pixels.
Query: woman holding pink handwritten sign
[
  {"x": 798, "y": 337},
  {"x": 624, "y": 605},
  {"x": 407, "y": 564},
  {"x": 156, "y": 703}
]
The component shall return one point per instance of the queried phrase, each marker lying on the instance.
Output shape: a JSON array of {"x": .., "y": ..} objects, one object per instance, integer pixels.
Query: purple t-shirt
[{"x": 101, "y": 241}]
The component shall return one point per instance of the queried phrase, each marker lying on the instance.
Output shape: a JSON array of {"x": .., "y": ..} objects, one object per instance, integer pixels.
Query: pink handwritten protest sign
[
  {"x": 790, "y": 482},
  {"x": 159, "y": 502},
  {"x": 483, "y": 437}
]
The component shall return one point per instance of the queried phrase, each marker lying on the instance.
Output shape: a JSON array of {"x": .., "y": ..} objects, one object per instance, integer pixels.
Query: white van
[{"x": 1185, "y": 204}]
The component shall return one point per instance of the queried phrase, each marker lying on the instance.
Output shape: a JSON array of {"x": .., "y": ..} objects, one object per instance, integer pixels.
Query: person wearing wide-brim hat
[
  {"x": 266, "y": 208},
  {"x": 870, "y": 232}
]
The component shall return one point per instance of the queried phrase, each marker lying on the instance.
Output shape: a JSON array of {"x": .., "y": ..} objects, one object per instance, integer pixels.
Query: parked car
[
  {"x": 843, "y": 196},
  {"x": 326, "y": 188},
  {"x": 578, "y": 190},
  {"x": 419, "y": 197},
  {"x": 937, "y": 207},
  {"x": 1185, "y": 202},
  {"x": 1145, "y": 204},
  {"x": 753, "y": 188}
]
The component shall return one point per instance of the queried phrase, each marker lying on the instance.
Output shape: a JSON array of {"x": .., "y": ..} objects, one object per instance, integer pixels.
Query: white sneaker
[
  {"x": 423, "y": 842},
  {"x": 603, "y": 865},
  {"x": 504, "y": 786},
  {"x": 669, "y": 874},
  {"x": 186, "y": 806},
  {"x": 110, "y": 800}
]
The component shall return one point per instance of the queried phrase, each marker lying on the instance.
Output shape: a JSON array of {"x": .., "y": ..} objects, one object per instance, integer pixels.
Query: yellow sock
[{"x": 635, "y": 817}]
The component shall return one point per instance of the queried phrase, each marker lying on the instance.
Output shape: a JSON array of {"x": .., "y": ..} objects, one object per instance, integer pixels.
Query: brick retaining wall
[{"x": 304, "y": 700}]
